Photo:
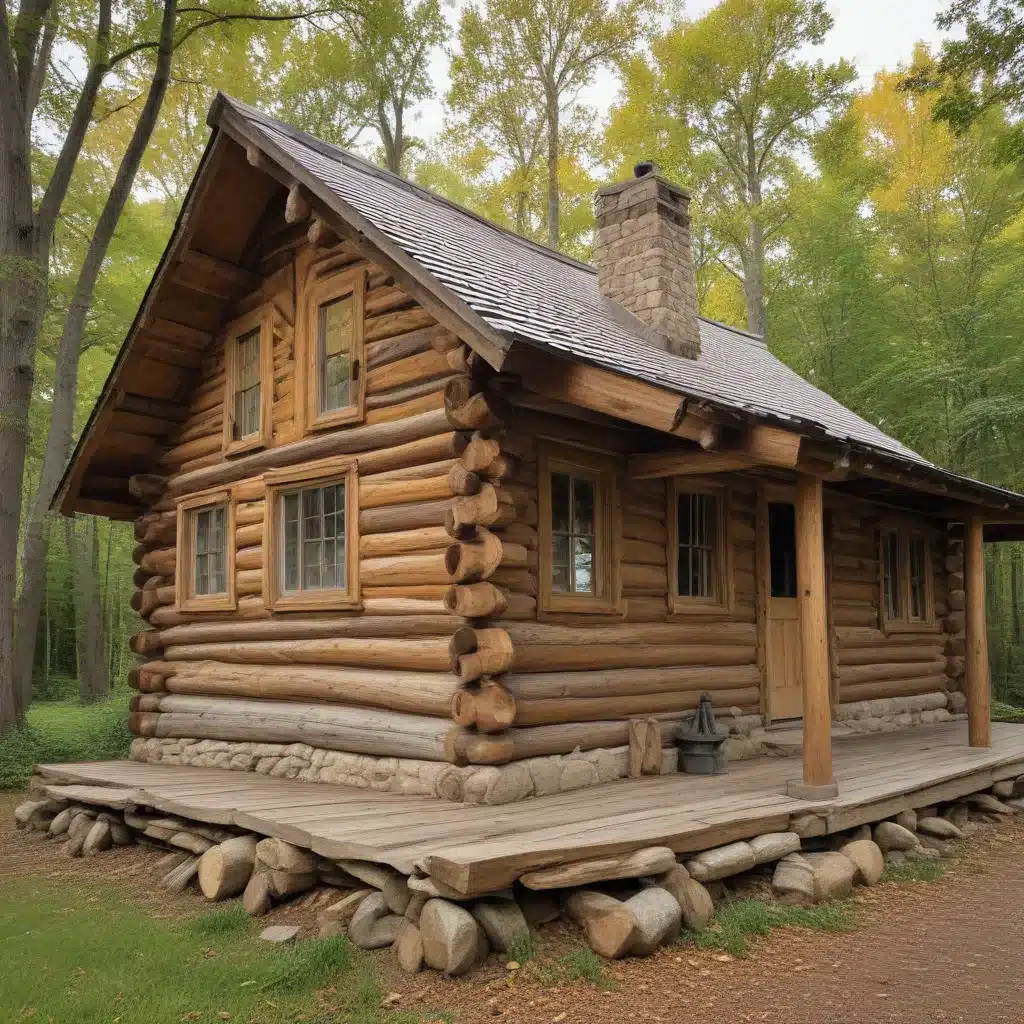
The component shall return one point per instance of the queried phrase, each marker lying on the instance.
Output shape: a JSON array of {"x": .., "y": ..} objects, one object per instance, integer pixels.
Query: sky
[{"x": 873, "y": 34}]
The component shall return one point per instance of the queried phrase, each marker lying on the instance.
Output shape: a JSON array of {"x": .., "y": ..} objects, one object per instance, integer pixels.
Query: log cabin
[{"x": 425, "y": 507}]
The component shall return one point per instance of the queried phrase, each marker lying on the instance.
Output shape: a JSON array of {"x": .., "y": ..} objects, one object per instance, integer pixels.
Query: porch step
[{"x": 789, "y": 742}]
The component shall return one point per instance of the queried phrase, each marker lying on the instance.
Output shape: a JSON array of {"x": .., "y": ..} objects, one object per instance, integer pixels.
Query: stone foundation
[{"x": 475, "y": 784}]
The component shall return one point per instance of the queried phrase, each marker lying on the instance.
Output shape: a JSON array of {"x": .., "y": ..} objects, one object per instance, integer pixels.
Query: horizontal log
[
  {"x": 249, "y": 558},
  {"x": 157, "y": 562},
  {"x": 249, "y": 535},
  {"x": 412, "y": 368},
  {"x": 387, "y": 519},
  {"x": 737, "y": 635},
  {"x": 428, "y": 538},
  {"x": 412, "y": 569},
  {"x": 852, "y": 674},
  {"x": 357, "y": 730},
  {"x": 370, "y": 652},
  {"x": 401, "y": 345},
  {"x": 644, "y": 579},
  {"x": 421, "y": 693},
  {"x": 402, "y": 492},
  {"x": 466, "y": 410},
  {"x": 303, "y": 628},
  {"x": 625, "y": 682},
  {"x": 893, "y": 688},
  {"x": 428, "y": 393},
  {"x": 480, "y": 453},
  {"x": 855, "y": 637},
  {"x": 580, "y": 709}
]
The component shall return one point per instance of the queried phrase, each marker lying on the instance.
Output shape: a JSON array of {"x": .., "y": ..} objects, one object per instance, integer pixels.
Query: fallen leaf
[
  {"x": 561, "y": 1016},
  {"x": 513, "y": 965}
]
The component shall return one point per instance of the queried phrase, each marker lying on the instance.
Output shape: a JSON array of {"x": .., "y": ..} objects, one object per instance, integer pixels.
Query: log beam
[
  {"x": 979, "y": 700},
  {"x": 818, "y": 782}
]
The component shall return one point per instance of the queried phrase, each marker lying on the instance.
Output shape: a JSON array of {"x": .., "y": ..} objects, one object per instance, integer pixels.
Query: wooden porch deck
[{"x": 480, "y": 849}]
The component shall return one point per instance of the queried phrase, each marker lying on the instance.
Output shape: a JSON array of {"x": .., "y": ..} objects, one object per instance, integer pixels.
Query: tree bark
[
  {"x": 753, "y": 278},
  {"x": 553, "y": 198},
  {"x": 65, "y": 389}
]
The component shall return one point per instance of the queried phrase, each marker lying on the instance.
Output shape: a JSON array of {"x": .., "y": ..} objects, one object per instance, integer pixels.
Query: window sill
[
  {"x": 340, "y": 418},
  {"x": 681, "y": 607},
  {"x": 909, "y": 626},
  {"x": 576, "y": 604},
  {"x": 214, "y": 603},
  {"x": 323, "y": 602},
  {"x": 245, "y": 445}
]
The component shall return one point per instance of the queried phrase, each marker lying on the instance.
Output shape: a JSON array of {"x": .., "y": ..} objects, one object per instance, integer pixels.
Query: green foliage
[
  {"x": 154, "y": 971},
  {"x": 523, "y": 947},
  {"x": 737, "y": 923},
  {"x": 584, "y": 963},
  {"x": 64, "y": 732},
  {"x": 1007, "y": 712}
]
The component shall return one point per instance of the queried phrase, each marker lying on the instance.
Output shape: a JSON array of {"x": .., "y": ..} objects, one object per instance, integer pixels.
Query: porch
[{"x": 477, "y": 849}]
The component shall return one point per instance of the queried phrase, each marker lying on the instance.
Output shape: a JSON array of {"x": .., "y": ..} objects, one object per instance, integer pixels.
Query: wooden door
[{"x": 782, "y": 641}]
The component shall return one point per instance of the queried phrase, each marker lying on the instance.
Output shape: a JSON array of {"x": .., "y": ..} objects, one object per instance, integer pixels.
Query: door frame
[{"x": 769, "y": 491}]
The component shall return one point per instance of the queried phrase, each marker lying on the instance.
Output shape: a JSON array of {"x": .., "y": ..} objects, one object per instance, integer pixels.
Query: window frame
[
  {"x": 906, "y": 533},
  {"x": 186, "y": 600},
  {"x": 261, "y": 318},
  {"x": 322, "y": 473},
  {"x": 603, "y": 469},
  {"x": 317, "y": 293},
  {"x": 681, "y": 604}
]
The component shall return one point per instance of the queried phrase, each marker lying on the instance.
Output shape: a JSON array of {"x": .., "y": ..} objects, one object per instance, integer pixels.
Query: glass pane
[
  {"x": 560, "y": 549},
  {"x": 560, "y": 581},
  {"x": 890, "y": 575},
  {"x": 583, "y": 565},
  {"x": 782, "y": 549},
  {"x": 917, "y": 578},
  {"x": 290, "y": 516},
  {"x": 247, "y": 385},
  {"x": 335, "y": 331},
  {"x": 583, "y": 505},
  {"x": 560, "y": 487}
]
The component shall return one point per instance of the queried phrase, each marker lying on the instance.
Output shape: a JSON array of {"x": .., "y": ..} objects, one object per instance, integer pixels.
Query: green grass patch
[
  {"x": 522, "y": 948},
  {"x": 737, "y": 923},
  {"x": 915, "y": 869},
  {"x": 584, "y": 963},
  {"x": 1006, "y": 712},
  {"x": 65, "y": 731},
  {"x": 81, "y": 955}
]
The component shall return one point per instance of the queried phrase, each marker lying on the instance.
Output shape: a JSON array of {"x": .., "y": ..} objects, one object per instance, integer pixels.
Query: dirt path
[{"x": 947, "y": 951}]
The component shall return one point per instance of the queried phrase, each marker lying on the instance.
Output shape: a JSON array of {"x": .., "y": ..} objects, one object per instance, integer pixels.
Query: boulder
[
  {"x": 939, "y": 828},
  {"x": 866, "y": 858},
  {"x": 60, "y": 823},
  {"x": 773, "y": 846},
  {"x": 280, "y": 933},
  {"x": 925, "y": 853},
  {"x": 413, "y": 909},
  {"x": 1016, "y": 804},
  {"x": 502, "y": 922},
  {"x": 657, "y": 917},
  {"x": 908, "y": 819},
  {"x": 287, "y": 883},
  {"x": 277, "y": 855},
  {"x": 27, "y": 810},
  {"x": 334, "y": 920},
  {"x": 1009, "y": 789},
  {"x": 721, "y": 862},
  {"x": 958, "y": 814},
  {"x": 121, "y": 834},
  {"x": 931, "y": 843},
  {"x": 538, "y": 907},
  {"x": 609, "y": 926},
  {"x": 372, "y": 926},
  {"x": 694, "y": 901},
  {"x": 793, "y": 880},
  {"x": 988, "y": 803},
  {"x": 409, "y": 948},
  {"x": 893, "y": 858},
  {"x": 225, "y": 870},
  {"x": 833, "y": 875},
  {"x": 97, "y": 839},
  {"x": 891, "y": 836},
  {"x": 862, "y": 832},
  {"x": 451, "y": 937},
  {"x": 256, "y": 898}
]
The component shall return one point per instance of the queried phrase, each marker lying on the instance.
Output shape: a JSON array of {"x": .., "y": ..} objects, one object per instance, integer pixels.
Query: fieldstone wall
[{"x": 476, "y": 784}]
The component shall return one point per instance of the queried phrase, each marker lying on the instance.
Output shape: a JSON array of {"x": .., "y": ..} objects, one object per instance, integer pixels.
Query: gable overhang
[{"x": 437, "y": 298}]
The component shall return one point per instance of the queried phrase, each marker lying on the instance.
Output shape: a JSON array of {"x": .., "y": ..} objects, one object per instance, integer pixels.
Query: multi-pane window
[
  {"x": 573, "y": 532},
  {"x": 246, "y": 420},
  {"x": 313, "y": 534},
  {"x": 334, "y": 353},
  {"x": 697, "y": 525},
  {"x": 209, "y": 545},
  {"x": 906, "y": 579}
]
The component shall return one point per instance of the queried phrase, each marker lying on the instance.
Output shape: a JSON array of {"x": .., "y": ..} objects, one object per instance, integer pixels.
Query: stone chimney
[{"x": 643, "y": 256}]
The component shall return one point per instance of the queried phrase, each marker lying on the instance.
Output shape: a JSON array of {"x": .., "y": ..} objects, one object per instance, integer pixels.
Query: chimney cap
[{"x": 645, "y": 167}]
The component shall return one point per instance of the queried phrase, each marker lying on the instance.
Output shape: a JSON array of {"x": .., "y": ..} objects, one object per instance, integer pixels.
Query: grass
[
  {"x": 64, "y": 731},
  {"x": 1006, "y": 712},
  {"x": 737, "y": 923},
  {"x": 80, "y": 955},
  {"x": 522, "y": 948},
  {"x": 915, "y": 869}
]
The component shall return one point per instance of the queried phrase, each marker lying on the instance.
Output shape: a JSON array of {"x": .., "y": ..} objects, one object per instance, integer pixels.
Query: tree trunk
[
  {"x": 1015, "y": 583},
  {"x": 553, "y": 197},
  {"x": 65, "y": 387},
  {"x": 753, "y": 278},
  {"x": 82, "y": 539}
]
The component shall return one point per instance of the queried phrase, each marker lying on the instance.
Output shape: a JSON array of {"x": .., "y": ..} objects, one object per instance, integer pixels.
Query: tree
[
  {"x": 738, "y": 105},
  {"x": 559, "y": 45},
  {"x": 107, "y": 40}
]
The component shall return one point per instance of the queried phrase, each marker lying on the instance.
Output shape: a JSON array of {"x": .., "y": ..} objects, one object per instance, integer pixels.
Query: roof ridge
[{"x": 360, "y": 163}]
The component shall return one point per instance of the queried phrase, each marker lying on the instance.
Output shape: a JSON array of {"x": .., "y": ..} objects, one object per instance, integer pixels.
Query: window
[
  {"x": 310, "y": 532},
  {"x": 205, "y": 555},
  {"x": 578, "y": 557},
  {"x": 698, "y": 547},
  {"x": 333, "y": 373},
  {"x": 248, "y": 381},
  {"x": 906, "y": 579}
]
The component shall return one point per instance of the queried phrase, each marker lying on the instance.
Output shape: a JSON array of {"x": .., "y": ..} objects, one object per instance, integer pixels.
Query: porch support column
[
  {"x": 817, "y": 783},
  {"x": 979, "y": 694}
]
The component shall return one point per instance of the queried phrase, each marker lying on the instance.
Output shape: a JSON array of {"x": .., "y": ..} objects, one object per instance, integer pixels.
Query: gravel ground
[{"x": 946, "y": 951}]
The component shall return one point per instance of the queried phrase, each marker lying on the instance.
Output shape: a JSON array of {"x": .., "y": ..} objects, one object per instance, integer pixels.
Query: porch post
[
  {"x": 817, "y": 781},
  {"x": 979, "y": 696}
]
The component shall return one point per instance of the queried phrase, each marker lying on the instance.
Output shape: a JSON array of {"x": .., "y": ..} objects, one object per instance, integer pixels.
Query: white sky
[{"x": 873, "y": 34}]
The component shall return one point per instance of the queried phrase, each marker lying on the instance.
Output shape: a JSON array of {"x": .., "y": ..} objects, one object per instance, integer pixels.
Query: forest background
[{"x": 874, "y": 233}]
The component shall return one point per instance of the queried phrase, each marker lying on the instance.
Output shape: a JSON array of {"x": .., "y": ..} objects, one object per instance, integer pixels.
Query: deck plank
[{"x": 480, "y": 848}]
